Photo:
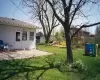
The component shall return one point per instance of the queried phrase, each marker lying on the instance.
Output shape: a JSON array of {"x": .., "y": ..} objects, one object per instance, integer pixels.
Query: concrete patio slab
[{"x": 20, "y": 54}]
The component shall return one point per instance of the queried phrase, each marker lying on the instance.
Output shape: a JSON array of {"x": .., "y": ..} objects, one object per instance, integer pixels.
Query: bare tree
[
  {"x": 66, "y": 11},
  {"x": 41, "y": 11}
]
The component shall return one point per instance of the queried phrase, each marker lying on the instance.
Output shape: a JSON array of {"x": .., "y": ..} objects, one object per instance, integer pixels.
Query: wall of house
[
  {"x": 42, "y": 39},
  {"x": 8, "y": 35}
]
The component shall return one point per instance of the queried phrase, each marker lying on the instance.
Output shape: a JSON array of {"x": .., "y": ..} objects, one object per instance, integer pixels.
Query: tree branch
[
  {"x": 47, "y": 18},
  {"x": 56, "y": 15},
  {"x": 75, "y": 10},
  {"x": 64, "y": 3},
  {"x": 84, "y": 26},
  {"x": 70, "y": 4}
]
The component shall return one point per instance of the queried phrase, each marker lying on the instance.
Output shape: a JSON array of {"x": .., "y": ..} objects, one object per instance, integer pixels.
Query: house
[
  {"x": 17, "y": 34},
  {"x": 40, "y": 37},
  {"x": 91, "y": 38},
  {"x": 81, "y": 33},
  {"x": 80, "y": 37}
]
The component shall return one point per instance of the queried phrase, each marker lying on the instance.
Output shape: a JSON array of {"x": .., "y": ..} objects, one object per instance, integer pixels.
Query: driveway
[{"x": 20, "y": 54}]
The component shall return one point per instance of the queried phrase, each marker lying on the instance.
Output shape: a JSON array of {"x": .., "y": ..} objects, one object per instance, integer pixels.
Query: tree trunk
[
  {"x": 68, "y": 48},
  {"x": 47, "y": 38}
]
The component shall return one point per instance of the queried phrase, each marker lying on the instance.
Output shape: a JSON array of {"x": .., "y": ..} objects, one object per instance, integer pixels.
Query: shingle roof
[{"x": 15, "y": 22}]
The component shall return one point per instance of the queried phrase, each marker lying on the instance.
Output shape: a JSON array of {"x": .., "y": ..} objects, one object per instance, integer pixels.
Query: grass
[{"x": 47, "y": 67}]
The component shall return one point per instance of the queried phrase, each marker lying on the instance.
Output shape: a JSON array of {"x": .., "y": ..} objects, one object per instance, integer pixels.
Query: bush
[
  {"x": 50, "y": 41},
  {"x": 79, "y": 65},
  {"x": 63, "y": 43},
  {"x": 98, "y": 45},
  {"x": 58, "y": 36}
]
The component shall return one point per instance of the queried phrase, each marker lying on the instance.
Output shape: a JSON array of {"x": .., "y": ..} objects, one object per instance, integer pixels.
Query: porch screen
[
  {"x": 31, "y": 35},
  {"x": 24, "y": 36}
]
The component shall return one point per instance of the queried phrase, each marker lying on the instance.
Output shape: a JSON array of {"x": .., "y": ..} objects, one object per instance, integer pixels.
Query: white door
[{"x": 18, "y": 40}]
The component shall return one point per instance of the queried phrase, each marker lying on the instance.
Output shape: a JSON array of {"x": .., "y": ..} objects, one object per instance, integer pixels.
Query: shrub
[
  {"x": 63, "y": 43},
  {"x": 79, "y": 65},
  {"x": 50, "y": 41},
  {"x": 58, "y": 36}
]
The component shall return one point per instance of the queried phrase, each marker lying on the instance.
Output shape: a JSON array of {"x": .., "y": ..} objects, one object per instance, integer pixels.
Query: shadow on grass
[{"x": 11, "y": 68}]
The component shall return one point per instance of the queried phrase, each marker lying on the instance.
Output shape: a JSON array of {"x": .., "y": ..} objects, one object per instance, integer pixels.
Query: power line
[
  {"x": 16, "y": 8},
  {"x": 19, "y": 8}
]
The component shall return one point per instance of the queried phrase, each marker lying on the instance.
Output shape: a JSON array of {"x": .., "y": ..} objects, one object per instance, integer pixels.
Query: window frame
[
  {"x": 31, "y": 37},
  {"x": 24, "y": 35},
  {"x": 17, "y": 36}
]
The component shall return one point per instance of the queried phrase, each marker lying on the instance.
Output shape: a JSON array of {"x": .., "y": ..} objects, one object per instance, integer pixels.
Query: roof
[
  {"x": 15, "y": 22},
  {"x": 39, "y": 34}
]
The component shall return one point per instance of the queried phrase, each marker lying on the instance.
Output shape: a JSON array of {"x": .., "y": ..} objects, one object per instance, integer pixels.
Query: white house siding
[
  {"x": 28, "y": 44},
  {"x": 8, "y": 35},
  {"x": 42, "y": 39}
]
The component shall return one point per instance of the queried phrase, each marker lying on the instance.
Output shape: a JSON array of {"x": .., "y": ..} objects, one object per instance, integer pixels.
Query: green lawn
[{"x": 47, "y": 67}]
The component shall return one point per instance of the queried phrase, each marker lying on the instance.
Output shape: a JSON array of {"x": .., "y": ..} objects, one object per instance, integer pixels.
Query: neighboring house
[
  {"x": 80, "y": 37},
  {"x": 17, "y": 34},
  {"x": 81, "y": 33},
  {"x": 40, "y": 37},
  {"x": 91, "y": 38}
]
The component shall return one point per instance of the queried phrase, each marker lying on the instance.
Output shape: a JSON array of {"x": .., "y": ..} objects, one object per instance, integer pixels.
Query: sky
[{"x": 8, "y": 9}]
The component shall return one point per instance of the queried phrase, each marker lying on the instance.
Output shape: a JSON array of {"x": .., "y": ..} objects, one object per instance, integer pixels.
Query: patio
[{"x": 20, "y": 54}]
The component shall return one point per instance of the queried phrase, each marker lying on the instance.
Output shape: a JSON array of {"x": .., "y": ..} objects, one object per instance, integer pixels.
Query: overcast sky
[{"x": 8, "y": 9}]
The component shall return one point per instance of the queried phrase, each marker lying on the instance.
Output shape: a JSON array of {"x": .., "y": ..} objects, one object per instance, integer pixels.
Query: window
[
  {"x": 24, "y": 36},
  {"x": 31, "y": 35},
  {"x": 17, "y": 36}
]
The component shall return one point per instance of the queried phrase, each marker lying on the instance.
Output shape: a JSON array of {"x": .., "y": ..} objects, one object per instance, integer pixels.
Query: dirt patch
[{"x": 20, "y": 54}]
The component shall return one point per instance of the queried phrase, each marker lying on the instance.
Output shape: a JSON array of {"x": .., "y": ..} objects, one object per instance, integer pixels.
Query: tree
[
  {"x": 66, "y": 11},
  {"x": 40, "y": 11},
  {"x": 97, "y": 35}
]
